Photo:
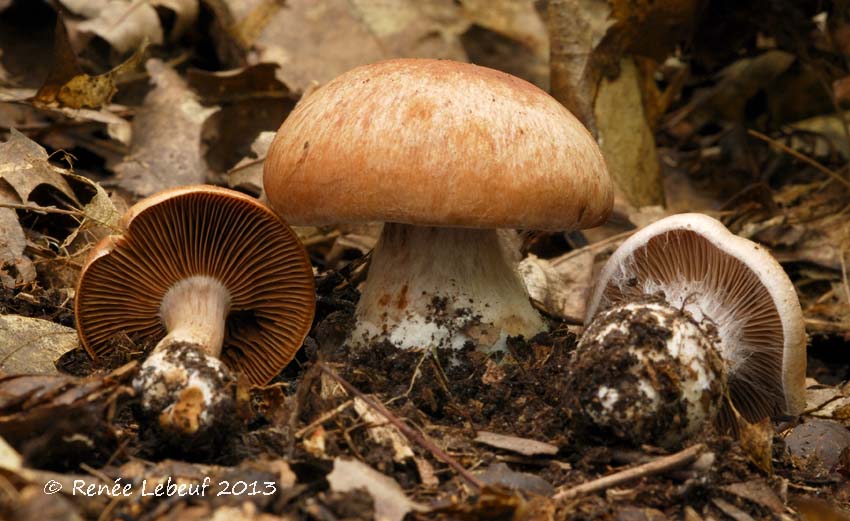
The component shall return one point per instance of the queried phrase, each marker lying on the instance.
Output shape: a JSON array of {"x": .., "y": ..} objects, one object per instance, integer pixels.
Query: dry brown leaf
[
  {"x": 841, "y": 89},
  {"x": 830, "y": 127},
  {"x": 731, "y": 510},
  {"x": 728, "y": 98},
  {"x": 838, "y": 410},
  {"x": 516, "y": 19},
  {"x": 68, "y": 86},
  {"x": 561, "y": 285},
  {"x": 757, "y": 441},
  {"x": 166, "y": 149},
  {"x": 626, "y": 140},
  {"x": 390, "y": 501},
  {"x": 23, "y": 168},
  {"x": 124, "y": 24},
  {"x": 9, "y": 458},
  {"x": 524, "y": 446},
  {"x": 759, "y": 492},
  {"x": 252, "y": 101},
  {"x": 499, "y": 474},
  {"x": 317, "y": 41},
  {"x": 248, "y": 173},
  {"x": 32, "y": 345}
]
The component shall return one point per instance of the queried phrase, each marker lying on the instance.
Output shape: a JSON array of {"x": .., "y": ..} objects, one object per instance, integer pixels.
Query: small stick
[
  {"x": 656, "y": 466},
  {"x": 408, "y": 432},
  {"x": 802, "y": 157},
  {"x": 322, "y": 419}
]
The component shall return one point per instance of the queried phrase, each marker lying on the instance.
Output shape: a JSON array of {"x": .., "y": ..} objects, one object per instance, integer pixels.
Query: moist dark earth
[
  {"x": 744, "y": 105},
  {"x": 449, "y": 396}
]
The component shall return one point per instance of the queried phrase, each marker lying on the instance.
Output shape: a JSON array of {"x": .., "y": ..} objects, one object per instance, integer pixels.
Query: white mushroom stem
[
  {"x": 183, "y": 381},
  {"x": 194, "y": 311},
  {"x": 431, "y": 286}
]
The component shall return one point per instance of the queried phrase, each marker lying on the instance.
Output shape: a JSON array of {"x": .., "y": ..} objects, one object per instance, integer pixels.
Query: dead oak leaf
[{"x": 166, "y": 149}]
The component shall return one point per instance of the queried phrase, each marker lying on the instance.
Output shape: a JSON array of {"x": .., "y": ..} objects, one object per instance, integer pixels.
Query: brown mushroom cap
[
  {"x": 436, "y": 142},
  {"x": 202, "y": 230},
  {"x": 695, "y": 261}
]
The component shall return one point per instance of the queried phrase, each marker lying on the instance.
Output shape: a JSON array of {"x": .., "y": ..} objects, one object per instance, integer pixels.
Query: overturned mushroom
[
  {"x": 724, "y": 283},
  {"x": 444, "y": 153},
  {"x": 214, "y": 276}
]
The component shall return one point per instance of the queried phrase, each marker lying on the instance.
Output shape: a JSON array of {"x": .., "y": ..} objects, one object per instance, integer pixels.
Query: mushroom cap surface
[
  {"x": 202, "y": 230},
  {"x": 439, "y": 143},
  {"x": 701, "y": 266}
]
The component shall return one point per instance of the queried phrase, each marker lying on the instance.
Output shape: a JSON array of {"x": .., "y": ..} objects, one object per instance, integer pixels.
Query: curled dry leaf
[
  {"x": 391, "y": 503},
  {"x": 68, "y": 86},
  {"x": 32, "y": 345},
  {"x": 561, "y": 285},
  {"x": 166, "y": 150},
  {"x": 104, "y": 16},
  {"x": 757, "y": 441},
  {"x": 23, "y": 168},
  {"x": 124, "y": 24}
]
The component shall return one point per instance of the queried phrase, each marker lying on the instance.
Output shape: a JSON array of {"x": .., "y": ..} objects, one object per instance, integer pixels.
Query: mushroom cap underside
[
  {"x": 201, "y": 230},
  {"x": 437, "y": 143},
  {"x": 697, "y": 263}
]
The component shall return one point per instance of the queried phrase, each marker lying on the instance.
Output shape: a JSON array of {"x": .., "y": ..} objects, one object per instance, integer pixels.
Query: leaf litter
[{"x": 749, "y": 130}]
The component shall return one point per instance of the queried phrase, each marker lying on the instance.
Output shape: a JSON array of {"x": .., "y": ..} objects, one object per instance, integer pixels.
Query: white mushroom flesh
[{"x": 442, "y": 287}]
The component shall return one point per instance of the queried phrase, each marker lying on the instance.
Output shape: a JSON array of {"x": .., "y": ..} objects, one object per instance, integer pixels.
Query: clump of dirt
[{"x": 646, "y": 372}]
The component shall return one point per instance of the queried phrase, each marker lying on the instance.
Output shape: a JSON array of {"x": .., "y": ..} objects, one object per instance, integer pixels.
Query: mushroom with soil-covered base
[
  {"x": 732, "y": 288},
  {"x": 444, "y": 153},
  {"x": 218, "y": 279}
]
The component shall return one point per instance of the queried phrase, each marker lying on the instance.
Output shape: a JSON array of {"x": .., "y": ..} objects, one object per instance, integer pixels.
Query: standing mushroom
[
  {"x": 731, "y": 287},
  {"x": 211, "y": 274},
  {"x": 444, "y": 153}
]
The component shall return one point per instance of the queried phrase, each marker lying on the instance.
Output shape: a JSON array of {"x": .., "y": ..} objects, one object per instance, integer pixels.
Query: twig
[
  {"x": 323, "y": 418},
  {"x": 802, "y": 157},
  {"x": 405, "y": 429},
  {"x": 42, "y": 209},
  {"x": 657, "y": 466}
]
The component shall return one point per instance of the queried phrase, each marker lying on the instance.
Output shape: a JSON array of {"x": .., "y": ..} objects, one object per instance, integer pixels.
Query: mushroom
[
  {"x": 444, "y": 153},
  {"x": 218, "y": 279},
  {"x": 724, "y": 283}
]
